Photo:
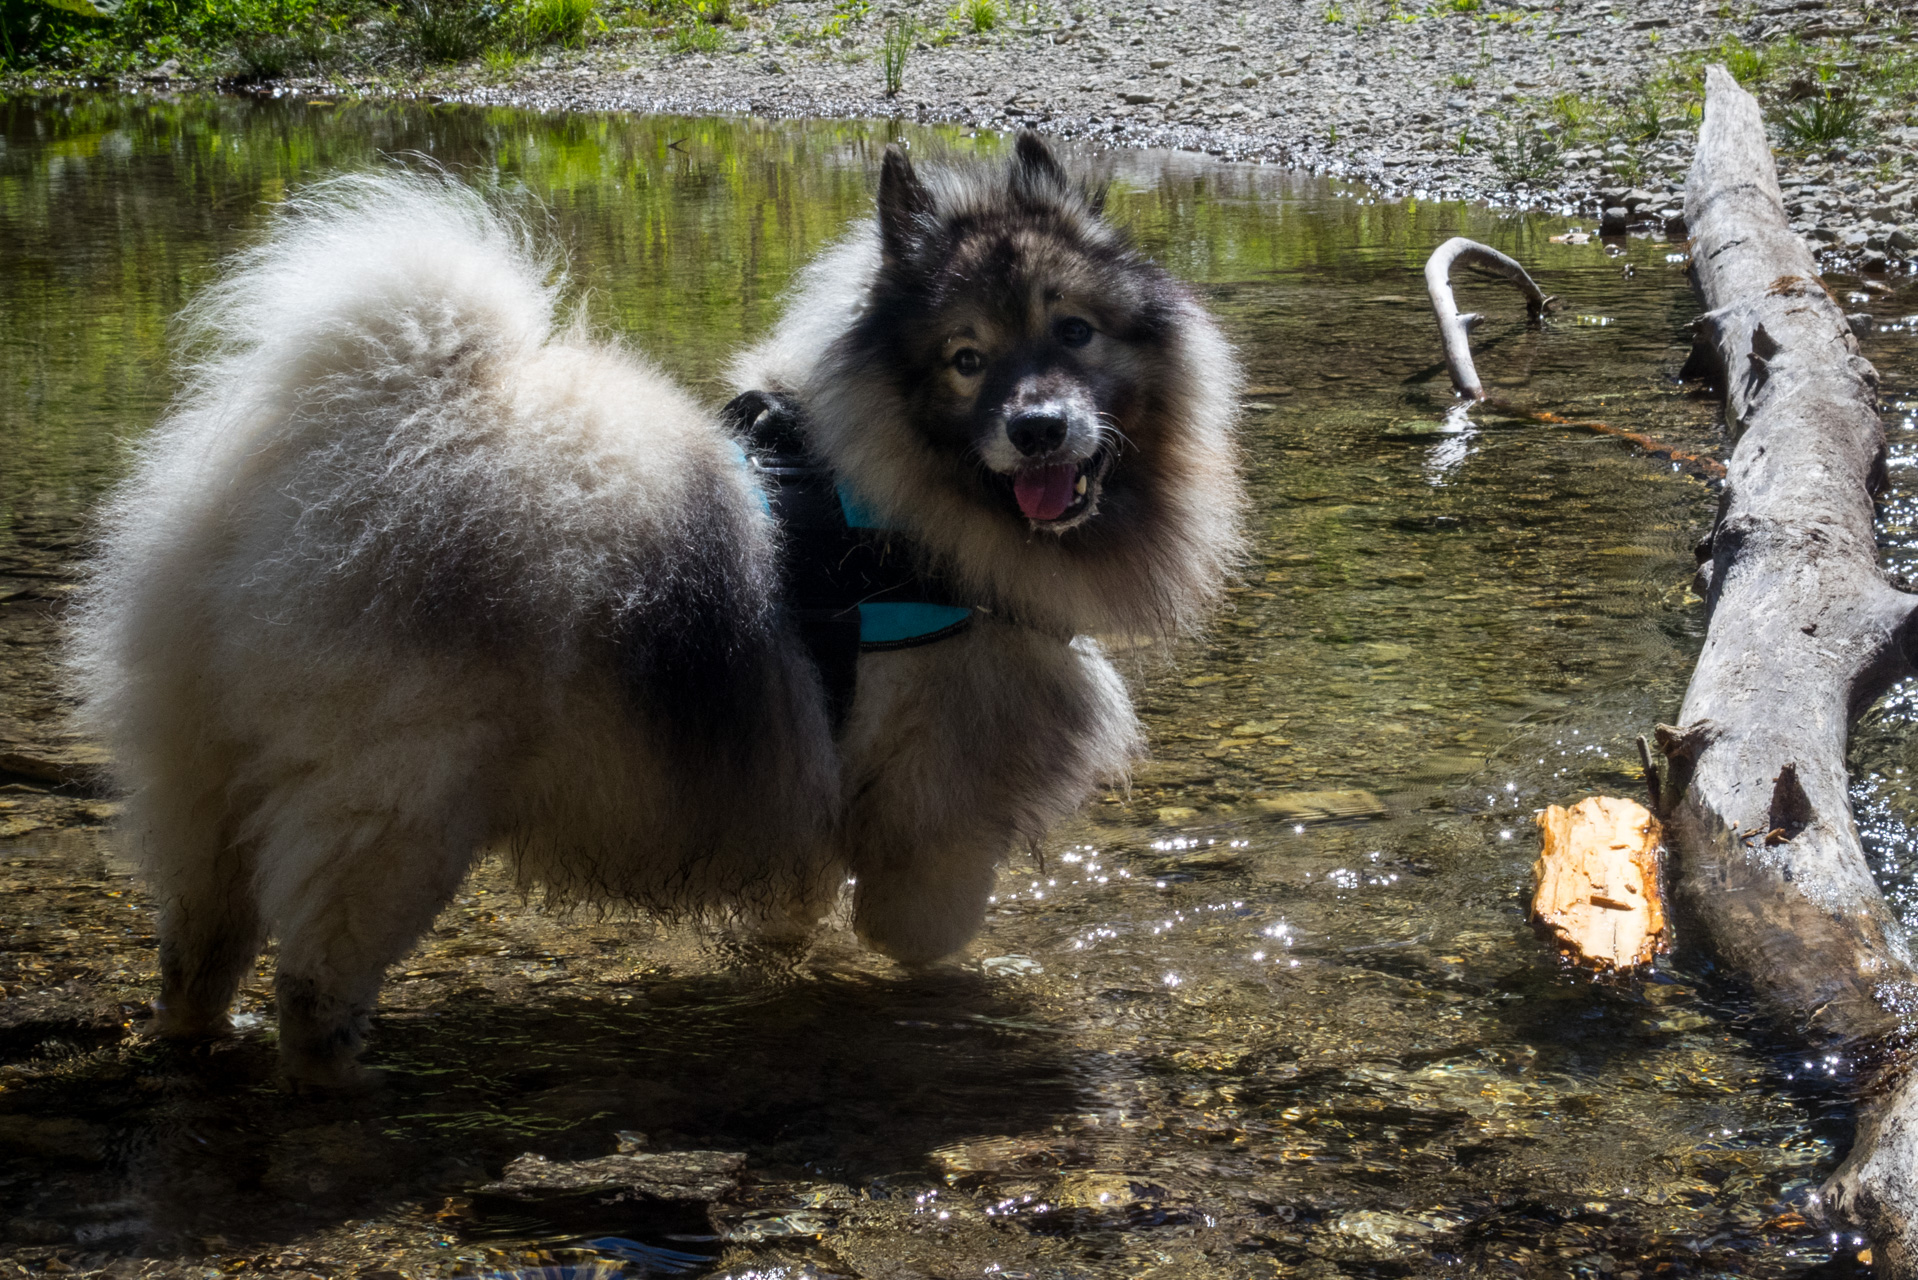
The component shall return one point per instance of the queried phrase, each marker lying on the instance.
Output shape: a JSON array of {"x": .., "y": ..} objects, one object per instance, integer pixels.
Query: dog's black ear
[
  {"x": 905, "y": 207},
  {"x": 1035, "y": 171}
]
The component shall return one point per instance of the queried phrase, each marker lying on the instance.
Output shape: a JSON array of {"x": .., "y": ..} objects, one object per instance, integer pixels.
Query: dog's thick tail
[
  {"x": 364, "y": 289},
  {"x": 367, "y": 281}
]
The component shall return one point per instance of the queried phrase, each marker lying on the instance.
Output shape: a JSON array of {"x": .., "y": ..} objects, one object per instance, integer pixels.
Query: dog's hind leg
[
  {"x": 355, "y": 863},
  {"x": 210, "y": 927}
]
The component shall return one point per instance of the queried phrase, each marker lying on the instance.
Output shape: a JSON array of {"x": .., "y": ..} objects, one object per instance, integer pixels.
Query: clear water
[{"x": 1274, "y": 1011}]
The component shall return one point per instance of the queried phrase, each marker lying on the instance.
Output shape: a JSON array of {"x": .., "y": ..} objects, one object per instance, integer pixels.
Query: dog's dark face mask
[{"x": 1029, "y": 337}]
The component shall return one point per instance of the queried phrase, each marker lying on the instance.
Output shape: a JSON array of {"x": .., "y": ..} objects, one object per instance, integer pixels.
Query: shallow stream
[{"x": 1274, "y": 1011}]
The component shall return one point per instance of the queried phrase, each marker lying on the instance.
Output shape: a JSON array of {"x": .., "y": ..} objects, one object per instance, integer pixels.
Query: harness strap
[{"x": 850, "y": 584}]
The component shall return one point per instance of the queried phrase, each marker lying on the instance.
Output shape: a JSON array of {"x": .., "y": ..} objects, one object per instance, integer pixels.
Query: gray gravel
[{"x": 1414, "y": 101}]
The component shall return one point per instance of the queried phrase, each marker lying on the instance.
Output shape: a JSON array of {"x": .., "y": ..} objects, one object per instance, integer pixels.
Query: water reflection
[{"x": 1272, "y": 1010}]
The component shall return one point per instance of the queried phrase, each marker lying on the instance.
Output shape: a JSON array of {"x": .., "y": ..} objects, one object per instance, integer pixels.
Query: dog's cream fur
[{"x": 412, "y": 568}]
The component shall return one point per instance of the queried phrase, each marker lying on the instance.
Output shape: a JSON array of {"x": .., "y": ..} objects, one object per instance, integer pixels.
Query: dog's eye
[
  {"x": 968, "y": 361},
  {"x": 1073, "y": 332}
]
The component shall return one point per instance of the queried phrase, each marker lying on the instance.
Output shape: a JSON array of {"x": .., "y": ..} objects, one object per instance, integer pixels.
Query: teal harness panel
[
  {"x": 889, "y": 625},
  {"x": 900, "y": 626}
]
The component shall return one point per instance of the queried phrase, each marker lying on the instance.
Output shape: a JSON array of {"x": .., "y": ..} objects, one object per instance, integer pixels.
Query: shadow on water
[
  {"x": 1272, "y": 1010},
  {"x": 865, "y": 1076}
]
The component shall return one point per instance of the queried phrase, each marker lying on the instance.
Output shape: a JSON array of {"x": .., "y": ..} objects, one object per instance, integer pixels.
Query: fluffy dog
[{"x": 412, "y": 569}]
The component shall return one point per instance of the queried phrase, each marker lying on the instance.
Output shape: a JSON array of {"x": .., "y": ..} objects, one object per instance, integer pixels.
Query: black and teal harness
[{"x": 851, "y": 585}]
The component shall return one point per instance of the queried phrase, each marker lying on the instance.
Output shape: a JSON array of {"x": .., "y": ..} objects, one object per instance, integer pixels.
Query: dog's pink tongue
[{"x": 1045, "y": 492}]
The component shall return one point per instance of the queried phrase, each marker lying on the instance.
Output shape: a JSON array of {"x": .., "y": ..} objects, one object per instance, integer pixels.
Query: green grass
[
  {"x": 894, "y": 51},
  {"x": 844, "y": 14},
  {"x": 1822, "y": 121},
  {"x": 502, "y": 60},
  {"x": 247, "y": 37},
  {"x": 980, "y": 16},
  {"x": 1525, "y": 153},
  {"x": 1575, "y": 113},
  {"x": 445, "y": 30},
  {"x": 1644, "y": 115},
  {"x": 561, "y": 22}
]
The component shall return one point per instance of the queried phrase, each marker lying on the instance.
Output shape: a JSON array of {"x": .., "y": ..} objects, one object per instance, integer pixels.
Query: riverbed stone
[{"x": 669, "y": 1175}]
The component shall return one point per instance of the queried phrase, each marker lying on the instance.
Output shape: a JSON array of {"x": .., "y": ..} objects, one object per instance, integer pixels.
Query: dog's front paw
[
  {"x": 912, "y": 922},
  {"x": 187, "y": 1023}
]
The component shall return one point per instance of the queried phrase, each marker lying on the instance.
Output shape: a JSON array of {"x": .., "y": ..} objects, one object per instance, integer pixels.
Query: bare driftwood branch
[
  {"x": 1455, "y": 329},
  {"x": 1805, "y": 631},
  {"x": 1455, "y": 335}
]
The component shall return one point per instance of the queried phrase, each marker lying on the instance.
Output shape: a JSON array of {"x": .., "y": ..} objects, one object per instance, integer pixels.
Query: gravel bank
[
  {"x": 1441, "y": 102},
  {"x": 1582, "y": 105}
]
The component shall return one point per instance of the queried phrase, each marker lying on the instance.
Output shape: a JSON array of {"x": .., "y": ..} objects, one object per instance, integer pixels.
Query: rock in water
[
  {"x": 1598, "y": 892},
  {"x": 668, "y": 1175}
]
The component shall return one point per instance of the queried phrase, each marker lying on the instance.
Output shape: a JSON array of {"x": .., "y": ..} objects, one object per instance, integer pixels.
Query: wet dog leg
[
  {"x": 210, "y": 928},
  {"x": 344, "y": 912}
]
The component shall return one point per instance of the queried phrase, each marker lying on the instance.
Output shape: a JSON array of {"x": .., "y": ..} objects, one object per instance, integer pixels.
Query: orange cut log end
[{"x": 1598, "y": 894}]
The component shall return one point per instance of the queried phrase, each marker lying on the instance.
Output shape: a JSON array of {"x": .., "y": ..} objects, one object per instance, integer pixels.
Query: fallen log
[{"x": 1805, "y": 631}]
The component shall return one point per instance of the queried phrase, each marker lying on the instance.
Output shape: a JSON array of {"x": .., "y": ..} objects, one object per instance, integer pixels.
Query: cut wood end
[{"x": 1598, "y": 894}]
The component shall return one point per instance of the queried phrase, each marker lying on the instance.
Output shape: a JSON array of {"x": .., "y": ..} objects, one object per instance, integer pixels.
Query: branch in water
[{"x": 1454, "y": 328}]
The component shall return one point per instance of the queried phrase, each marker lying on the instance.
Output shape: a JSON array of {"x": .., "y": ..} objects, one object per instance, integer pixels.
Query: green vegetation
[
  {"x": 980, "y": 16},
  {"x": 561, "y": 22},
  {"x": 844, "y": 14},
  {"x": 696, "y": 37},
  {"x": 1822, "y": 121},
  {"x": 1573, "y": 112},
  {"x": 894, "y": 51},
  {"x": 1525, "y": 153},
  {"x": 1818, "y": 95},
  {"x": 252, "y": 40},
  {"x": 260, "y": 39}
]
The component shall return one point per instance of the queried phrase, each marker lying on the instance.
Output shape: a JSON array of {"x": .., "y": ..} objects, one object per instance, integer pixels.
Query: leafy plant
[
  {"x": 844, "y": 14},
  {"x": 894, "y": 51},
  {"x": 1749, "y": 64},
  {"x": 697, "y": 37},
  {"x": 981, "y": 15},
  {"x": 1464, "y": 80}
]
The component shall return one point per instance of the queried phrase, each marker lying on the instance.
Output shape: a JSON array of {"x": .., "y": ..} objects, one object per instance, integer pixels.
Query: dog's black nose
[{"x": 1036, "y": 432}]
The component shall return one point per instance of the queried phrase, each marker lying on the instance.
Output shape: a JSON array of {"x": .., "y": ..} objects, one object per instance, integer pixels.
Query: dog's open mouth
[{"x": 1057, "y": 495}]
